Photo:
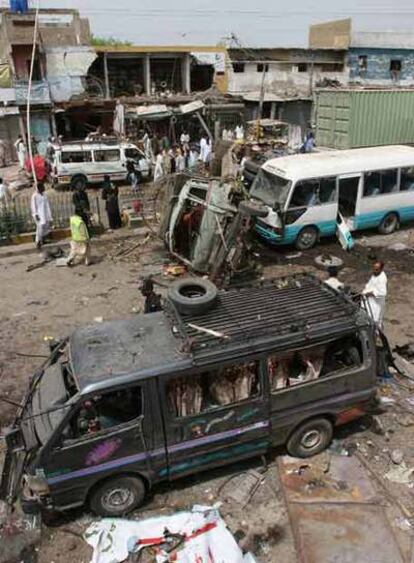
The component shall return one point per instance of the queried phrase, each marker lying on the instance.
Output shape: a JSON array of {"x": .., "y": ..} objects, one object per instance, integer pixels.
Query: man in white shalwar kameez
[
  {"x": 376, "y": 291},
  {"x": 41, "y": 213},
  {"x": 21, "y": 151}
]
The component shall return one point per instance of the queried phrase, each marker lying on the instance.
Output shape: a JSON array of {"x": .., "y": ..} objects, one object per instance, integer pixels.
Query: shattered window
[
  {"x": 107, "y": 156},
  {"x": 287, "y": 369},
  {"x": 380, "y": 182},
  {"x": 270, "y": 188},
  {"x": 193, "y": 395},
  {"x": 407, "y": 179},
  {"x": 314, "y": 192},
  {"x": 76, "y": 156},
  {"x": 106, "y": 411}
]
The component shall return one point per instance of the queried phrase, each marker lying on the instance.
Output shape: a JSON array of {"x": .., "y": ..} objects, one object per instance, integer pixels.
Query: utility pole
[{"x": 261, "y": 100}]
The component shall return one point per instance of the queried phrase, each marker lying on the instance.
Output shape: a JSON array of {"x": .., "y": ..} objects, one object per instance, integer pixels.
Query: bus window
[
  {"x": 314, "y": 192},
  {"x": 112, "y": 155},
  {"x": 380, "y": 182},
  {"x": 407, "y": 179},
  {"x": 76, "y": 156}
]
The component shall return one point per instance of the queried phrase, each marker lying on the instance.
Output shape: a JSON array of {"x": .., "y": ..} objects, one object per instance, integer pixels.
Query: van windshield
[
  {"x": 55, "y": 389},
  {"x": 270, "y": 188}
]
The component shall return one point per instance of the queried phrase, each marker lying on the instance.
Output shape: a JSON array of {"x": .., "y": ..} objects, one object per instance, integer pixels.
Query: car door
[
  {"x": 215, "y": 417},
  {"x": 107, "y": 434}
]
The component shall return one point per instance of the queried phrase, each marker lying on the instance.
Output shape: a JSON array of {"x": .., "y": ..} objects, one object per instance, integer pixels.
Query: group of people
[{"x": 182, "y": 158}]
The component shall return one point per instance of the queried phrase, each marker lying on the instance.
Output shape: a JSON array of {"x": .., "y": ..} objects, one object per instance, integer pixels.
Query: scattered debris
[
  {"x": 397, "y": 457},
  {"x": 241, "y": 488},
  {"x": 377, "y": 426},
  {"x": 197, "y": 535},
  {"x": 398, "y": 247},
  {"x": 293, "y": 255},
  {"x": 400, "y": 474},
  {"x": 403, "y": 524},
  {"x": 98, "y": 319},
  {"x": 174, "y": 270}
]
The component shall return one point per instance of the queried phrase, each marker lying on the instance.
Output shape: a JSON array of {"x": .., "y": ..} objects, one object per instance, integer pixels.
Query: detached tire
[
  {"x": 310, "y": 438},
  {"x": 117, "y": 496},
  {"x": 307, "y": 238},
  {"x": 389, "y": 224},
  {"x": 193, "y": 296},
  {"x": 253, "y": 209}
]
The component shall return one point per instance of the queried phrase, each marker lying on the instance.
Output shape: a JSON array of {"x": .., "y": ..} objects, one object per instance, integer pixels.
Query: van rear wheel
[
  {"x": 117, "y": 496},
  {"x": 311, "y": 438},
  {"x": 79, "y": 182},
  {"x": 389, "y": 224}
]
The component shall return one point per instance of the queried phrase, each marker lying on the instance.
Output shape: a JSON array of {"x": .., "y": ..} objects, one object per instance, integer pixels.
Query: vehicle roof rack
[{"x": 269, "y": 314}]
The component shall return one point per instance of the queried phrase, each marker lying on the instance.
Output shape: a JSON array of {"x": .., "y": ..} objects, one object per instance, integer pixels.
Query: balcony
[{"x": 39, "y": 93}]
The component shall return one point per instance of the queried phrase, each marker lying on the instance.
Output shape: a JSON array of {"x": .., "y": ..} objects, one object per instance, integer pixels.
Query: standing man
[
  {"x": 110, "y": 196},
  {"x": 82, "y": 206},
  {"x": 376, "y": 291},
  {"x": 3, "y": 162},
  {"x": 5, "y": 196},
  {"x": 80, "y": 241},
  {"x": 133, "y": 175},
  {"x": 41, "y": 214},
  {"x": 21, "y": 151}
]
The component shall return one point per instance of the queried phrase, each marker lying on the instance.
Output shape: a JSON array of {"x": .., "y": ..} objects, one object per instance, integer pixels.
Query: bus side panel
[{"x": 372, "y": 210}]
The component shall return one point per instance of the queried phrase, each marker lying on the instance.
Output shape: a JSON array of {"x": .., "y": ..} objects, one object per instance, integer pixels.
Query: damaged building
[
  {"x": 62, "y": 58},
  {"x": 286, "y": 77}
]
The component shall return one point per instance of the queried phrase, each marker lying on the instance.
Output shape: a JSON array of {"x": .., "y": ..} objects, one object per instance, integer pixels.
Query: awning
[
  {"x": 13, "y": 110},
  {"x": 270, "y": 97},
  {"x": 154, "y": 112},
  {"x": 192, "y": 107}
]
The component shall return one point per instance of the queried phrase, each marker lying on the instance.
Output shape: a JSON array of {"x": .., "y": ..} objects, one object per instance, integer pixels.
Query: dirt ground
[{"x": 53, "y": 301}]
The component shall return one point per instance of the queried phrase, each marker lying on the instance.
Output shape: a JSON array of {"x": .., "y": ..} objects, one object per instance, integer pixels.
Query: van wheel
[
  {"x": 117, "y": 496},
  {"x": 193, "y": 296},
  {"x": 79, "y": 182},
  {"x": 307, "y": 238},
  {"x": 389, "y": 224},
  {"x": 310, "y": 438}
]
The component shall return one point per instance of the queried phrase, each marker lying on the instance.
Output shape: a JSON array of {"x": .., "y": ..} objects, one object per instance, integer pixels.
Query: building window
[
  {"x": 395, "y": 68},
  {"x": 238, "y": 67},
  {"x": 262, "y": 67},
  {"x": 303, "y": 67},
  {"x": 362, "y": 64}
]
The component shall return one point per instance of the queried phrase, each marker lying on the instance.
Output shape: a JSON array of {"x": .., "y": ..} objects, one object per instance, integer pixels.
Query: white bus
[
  {"x": 87, "y": 162},
  {"x": 370, "y": 187}
]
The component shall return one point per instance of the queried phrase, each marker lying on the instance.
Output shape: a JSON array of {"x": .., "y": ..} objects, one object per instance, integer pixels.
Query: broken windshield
[
  {"x": 270, "y": 188},
  {"x": 50, "y": 400}
]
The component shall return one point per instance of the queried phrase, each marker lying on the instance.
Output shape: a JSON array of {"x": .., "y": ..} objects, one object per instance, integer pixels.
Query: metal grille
[{"x": 276, "y": 308}]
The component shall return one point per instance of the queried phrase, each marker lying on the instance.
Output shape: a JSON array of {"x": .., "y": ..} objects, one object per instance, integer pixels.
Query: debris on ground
[
  {"x": 197, "y": 535},
  {"x": 400, "y": 474},
  {"x": 328, "y": 260},
  {"x": 241, "y": 488}
]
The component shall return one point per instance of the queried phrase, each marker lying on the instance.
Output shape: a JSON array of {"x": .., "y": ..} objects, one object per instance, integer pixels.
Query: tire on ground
[
  {"x": 117, "y": 496},
  {"x": 193, "y": 296},
  {"x": 253, "y": 208},
  {"x": 310, "y": 438}
]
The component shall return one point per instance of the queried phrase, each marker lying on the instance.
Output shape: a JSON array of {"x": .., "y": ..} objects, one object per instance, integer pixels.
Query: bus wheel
[
  {"x": 79, "y": 182},
  {"x": 389, "y": 224},
  {"x": 311, "y": 438},
  {"x": 117, "y": 496},
  {"x": 306, "y": 238}
]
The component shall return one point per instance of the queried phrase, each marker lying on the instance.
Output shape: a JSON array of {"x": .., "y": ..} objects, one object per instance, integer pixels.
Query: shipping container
[{"x": 346, "y": 119}]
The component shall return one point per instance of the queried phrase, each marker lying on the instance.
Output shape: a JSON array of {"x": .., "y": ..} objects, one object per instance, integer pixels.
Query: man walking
[
  {"x": 376, "y": 291},
  {"x": 82, "y": 206},
  {"x": 80, "y": 241},
  {"x": 41, "y": 213}
]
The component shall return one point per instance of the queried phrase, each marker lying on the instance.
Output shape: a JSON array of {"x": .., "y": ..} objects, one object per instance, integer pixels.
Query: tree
[{"x": 109, "y": 42}]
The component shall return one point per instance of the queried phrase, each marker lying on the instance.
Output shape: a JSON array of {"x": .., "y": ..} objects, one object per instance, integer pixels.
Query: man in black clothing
[{"x": 82, "y": 206}]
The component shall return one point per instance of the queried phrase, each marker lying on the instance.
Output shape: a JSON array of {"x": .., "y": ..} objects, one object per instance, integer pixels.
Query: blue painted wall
[{"x": 378, "y": 64}]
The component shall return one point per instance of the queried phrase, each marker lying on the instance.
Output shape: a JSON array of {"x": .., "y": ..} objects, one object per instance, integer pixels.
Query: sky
[{"x": 256, "y": 23}]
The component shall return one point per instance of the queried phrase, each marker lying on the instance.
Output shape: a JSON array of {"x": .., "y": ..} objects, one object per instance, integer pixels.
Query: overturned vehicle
[{"x": 206, "y": 224}]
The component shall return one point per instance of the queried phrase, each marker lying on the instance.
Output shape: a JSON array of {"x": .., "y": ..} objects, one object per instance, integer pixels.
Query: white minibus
[
  {"x": 370, "y": 187},
  {"x": 87, "y": 162}
]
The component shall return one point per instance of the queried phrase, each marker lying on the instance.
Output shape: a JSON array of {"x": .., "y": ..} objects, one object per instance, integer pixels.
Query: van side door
[
  {"x": 107, "y": 434},
  {"x": 215, "y": 416}
]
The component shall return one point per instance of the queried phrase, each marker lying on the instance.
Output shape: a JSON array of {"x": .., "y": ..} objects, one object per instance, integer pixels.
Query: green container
[{"x": 346, "y": 119}]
